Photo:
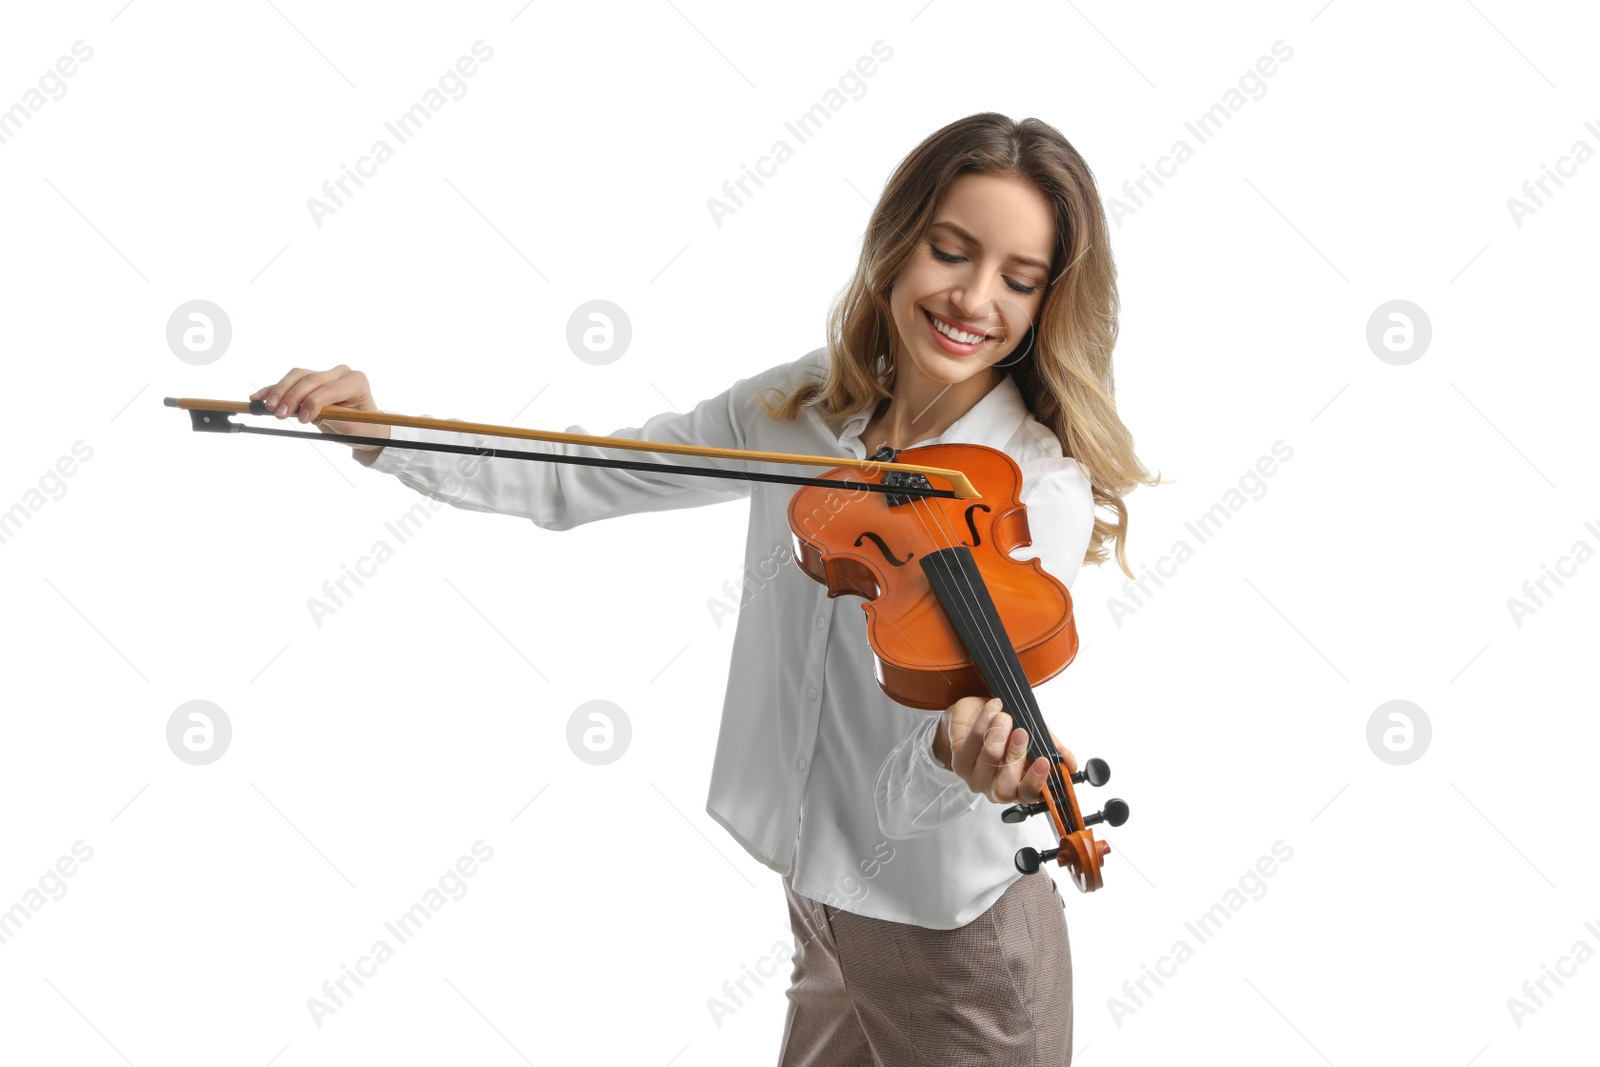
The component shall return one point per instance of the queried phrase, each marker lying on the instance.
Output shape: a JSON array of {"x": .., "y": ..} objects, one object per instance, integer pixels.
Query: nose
[
  {"x": 975, "y": 299},
  {"x": 980, "y": 299}
]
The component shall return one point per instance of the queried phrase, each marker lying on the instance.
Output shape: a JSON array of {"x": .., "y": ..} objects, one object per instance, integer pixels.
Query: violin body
[{"x": 856, "y": 544}]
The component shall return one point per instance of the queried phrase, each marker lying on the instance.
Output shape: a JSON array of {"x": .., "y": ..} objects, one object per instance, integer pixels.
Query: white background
[{"x": 371, "y": 752}]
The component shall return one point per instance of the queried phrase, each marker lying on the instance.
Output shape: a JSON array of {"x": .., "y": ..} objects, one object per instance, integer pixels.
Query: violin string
[
  {"x": 993, "y": 640},
  {"x": 1035, "y": 723}
]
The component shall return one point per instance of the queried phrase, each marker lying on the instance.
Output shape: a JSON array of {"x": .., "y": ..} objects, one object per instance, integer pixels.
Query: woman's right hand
[{"x": 302, "y": 394}]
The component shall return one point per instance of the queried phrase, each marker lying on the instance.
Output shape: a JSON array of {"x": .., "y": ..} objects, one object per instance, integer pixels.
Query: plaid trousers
[{"x": 871, "y": 993}]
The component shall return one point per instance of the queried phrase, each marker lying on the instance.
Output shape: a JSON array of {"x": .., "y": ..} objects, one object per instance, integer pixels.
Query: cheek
[
  {"x": 903, "y": 299},
  {"x": 1018, "y": 312},
  {"x": 918, "y": 280}
]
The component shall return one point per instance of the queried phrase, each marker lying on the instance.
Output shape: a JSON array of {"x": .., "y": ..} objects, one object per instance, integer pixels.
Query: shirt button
[
  {"x": 811, "y": 692},
  {"x": 800, "y": 764},
  {"x": 822, "y": 620}
]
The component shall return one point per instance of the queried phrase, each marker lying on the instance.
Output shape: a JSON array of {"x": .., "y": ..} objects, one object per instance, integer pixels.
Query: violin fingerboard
[{"x": 955, "y": 579}]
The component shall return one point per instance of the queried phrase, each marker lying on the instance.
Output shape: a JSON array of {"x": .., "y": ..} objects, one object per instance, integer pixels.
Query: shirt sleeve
[
  {"x": 559, "y": 496},
  {"x": 915, "y": 794},
  {"x": 1060, "y": 502}
]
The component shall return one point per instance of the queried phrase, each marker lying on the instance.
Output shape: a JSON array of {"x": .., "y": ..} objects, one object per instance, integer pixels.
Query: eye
[{"x": 951, "y": 257}]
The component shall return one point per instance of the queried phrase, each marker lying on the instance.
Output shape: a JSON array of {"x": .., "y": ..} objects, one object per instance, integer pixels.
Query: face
[{"x": 974, "y": 284}]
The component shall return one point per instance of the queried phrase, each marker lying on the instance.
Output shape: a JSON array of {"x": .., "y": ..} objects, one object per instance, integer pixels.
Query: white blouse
[{"x": 818, "y": 774}]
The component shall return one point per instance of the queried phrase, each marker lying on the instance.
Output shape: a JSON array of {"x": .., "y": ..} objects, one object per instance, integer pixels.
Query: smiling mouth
[{"x": 955, "y": 335}]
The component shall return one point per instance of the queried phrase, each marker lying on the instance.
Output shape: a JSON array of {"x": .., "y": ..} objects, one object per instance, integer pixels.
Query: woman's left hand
[{"x": 975, "y": 739}]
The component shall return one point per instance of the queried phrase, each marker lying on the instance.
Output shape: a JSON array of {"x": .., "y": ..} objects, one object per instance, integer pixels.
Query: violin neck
[{"x": 954, "y": 576}]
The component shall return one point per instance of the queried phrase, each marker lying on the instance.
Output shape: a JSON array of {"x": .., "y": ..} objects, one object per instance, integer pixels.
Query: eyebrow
[{"x": 965, "y": 236}]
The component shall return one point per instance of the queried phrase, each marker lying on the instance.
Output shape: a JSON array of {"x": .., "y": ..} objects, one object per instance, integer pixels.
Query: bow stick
[{"x": 212, "y": 416}]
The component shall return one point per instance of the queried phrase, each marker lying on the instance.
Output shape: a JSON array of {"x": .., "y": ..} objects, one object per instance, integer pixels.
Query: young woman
[{"x": 983, "y": 310}]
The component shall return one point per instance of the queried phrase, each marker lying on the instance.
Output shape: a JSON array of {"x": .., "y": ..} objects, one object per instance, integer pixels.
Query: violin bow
[{"x": 213, "y": 416}]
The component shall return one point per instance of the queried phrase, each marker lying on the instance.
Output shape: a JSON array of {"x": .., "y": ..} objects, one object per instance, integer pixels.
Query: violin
[{"x": 950, "y": 613}]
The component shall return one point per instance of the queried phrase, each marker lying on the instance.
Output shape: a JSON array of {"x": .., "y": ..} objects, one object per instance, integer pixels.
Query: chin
[{"x": 947, "y": 369}]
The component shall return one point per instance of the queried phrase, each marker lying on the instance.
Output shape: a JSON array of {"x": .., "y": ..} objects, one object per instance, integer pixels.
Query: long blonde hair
[{"x": 1067, "y": 379}]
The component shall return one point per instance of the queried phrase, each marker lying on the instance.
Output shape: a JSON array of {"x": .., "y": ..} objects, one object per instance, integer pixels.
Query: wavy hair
[{"x": 1066, "y": 379}]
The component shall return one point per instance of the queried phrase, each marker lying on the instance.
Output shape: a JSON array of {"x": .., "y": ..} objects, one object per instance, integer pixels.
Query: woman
[{"x": 983, "y": 310}]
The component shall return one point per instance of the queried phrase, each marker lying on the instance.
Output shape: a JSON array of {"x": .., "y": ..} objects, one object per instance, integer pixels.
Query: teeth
[{"x": 959, "y": 336}]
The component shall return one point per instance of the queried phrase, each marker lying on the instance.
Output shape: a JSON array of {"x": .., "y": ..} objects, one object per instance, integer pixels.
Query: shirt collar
[{"x": 992, "y": 421}]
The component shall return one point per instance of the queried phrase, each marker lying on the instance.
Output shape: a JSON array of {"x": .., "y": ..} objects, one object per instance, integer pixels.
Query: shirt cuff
[
  {"x": 914, "y": 794},
  {"x": 388, "y": 460},
  {"x": 925, "y": 761}
]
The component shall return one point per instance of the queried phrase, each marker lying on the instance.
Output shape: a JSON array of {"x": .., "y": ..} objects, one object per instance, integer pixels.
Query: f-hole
[
  {"x": 972, "y": 527},
  {"x": 888, "y": 555}
]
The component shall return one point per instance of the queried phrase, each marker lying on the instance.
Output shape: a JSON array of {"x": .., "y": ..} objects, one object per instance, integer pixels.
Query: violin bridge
[
  {"x": 888, "y": 454},
  {"x": 900, "y": 478}
]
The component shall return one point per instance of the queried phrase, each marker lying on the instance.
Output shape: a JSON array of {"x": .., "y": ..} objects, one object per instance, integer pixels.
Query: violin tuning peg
[
  {"x": 1029, "y": 859},
  {"x": 1019, "y": 812},
  {"x": 1097, "y": 772},
  {"x": 1115, "y": 813}
]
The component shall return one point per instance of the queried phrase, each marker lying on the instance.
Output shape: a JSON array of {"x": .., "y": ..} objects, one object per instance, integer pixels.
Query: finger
[
  {"x": 1068, "y": 760},
  {"x": 954, "y": 725},
  {"x": 972, "y": 744},
  {"x": 1003, "y": 790},
  {"x": 948, "y": 735},
  {"x": 274, "y": 393},
  {"x": 294, "y": 398},
  {"x": 960, "y": 717},
  {"x": 996, "y": 738},
  {"x": 349, "y": 391},
  {"x": 1031, "y": 788},
  {"x": 991, "y": 759},
  {"x": 970, "y": 752}
]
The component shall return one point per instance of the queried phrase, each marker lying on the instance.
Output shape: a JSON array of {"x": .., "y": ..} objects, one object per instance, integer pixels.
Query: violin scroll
[{"x": 1080, "y": 851}]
